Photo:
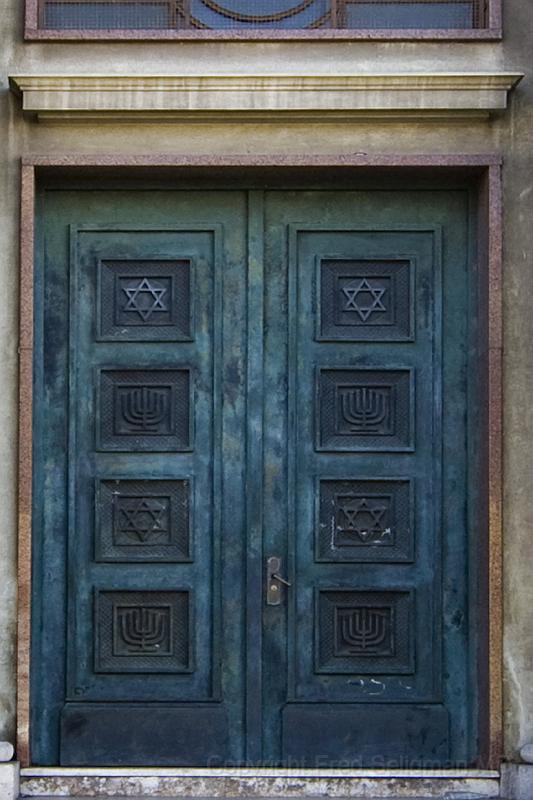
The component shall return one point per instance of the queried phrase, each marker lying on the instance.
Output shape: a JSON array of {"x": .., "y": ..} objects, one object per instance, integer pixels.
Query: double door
[{"x": 252, "y": 505}]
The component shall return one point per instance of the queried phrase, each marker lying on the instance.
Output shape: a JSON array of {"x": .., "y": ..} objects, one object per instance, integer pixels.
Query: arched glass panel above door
[{"x": 253, "y": 15}]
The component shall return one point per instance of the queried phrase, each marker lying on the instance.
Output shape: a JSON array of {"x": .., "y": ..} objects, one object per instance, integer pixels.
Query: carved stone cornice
[{"x": 266, "y": 97}]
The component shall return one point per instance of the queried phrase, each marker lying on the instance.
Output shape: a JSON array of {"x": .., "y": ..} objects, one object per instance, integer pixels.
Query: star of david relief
[
  {"x": 363, "y": 518},
  {"x": 143, "y": 519},
  {"x": 145, "y": 299},
  {"x": 364, "y": 298}
]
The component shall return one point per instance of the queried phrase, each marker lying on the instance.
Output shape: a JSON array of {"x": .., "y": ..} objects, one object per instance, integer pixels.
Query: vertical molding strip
[
  {"x": 293, "y": 377},
  {"x": 25, "y": 461},
  {"x": 217, "y": 473},
  {"x": 31, "y": 22},
  {"x": 254, "y": 475},
  {"x": 495, "y": 463}
]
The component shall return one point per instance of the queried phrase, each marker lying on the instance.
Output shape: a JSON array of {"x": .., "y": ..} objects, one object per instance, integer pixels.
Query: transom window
[{"x": 252, "y": 15}]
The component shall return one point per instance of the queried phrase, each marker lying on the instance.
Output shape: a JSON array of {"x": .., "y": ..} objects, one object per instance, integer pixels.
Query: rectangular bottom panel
[
  {"x": 331, "y": 735},
  {"x": 143, "y": 734}
]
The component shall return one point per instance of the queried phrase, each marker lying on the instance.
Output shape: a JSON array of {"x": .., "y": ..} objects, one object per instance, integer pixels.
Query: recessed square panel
[
  {"x": 365, "y": 409},
  {"x": 366, "y": 300},
  {"x": 365, "y": 521},
  {"x": 142, "y": 520},
  {"x": 367, "y": 632},
  {"x": 144, "y": 410},
  {"x": 143, "y": 300},
  {"x": 142, "y": 631}
]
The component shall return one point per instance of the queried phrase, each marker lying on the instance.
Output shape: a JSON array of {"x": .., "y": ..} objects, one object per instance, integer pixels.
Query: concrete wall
[{"x": 511, "y": 134}]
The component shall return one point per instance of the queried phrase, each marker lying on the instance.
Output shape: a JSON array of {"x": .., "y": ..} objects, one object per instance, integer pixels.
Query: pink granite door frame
[{"x": 484, "y": 171}]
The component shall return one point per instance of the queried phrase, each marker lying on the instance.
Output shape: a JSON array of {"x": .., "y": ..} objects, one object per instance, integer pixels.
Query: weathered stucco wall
[{"x": 511, "y": 134}]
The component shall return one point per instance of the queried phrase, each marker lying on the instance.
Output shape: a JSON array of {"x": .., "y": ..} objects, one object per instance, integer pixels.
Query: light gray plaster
[{"x": 9, "y": 781}]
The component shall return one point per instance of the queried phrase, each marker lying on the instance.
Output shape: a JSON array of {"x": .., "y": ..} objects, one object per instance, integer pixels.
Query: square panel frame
[
  {"x": 101, "y": 337},
  {"x": 98, "y": 591},
  {"x": 409, "y": 447},
  {"x": 99, "y": 551},
  {"x": 409, "y": 556},
  {"x": 410, "y": 337},
  {"x": 98, "y": 373},
  {"x": 408, "y": 669}
]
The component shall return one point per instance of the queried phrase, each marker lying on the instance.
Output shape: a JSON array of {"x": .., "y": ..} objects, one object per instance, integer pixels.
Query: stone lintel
[{"x": 438, "y": 95}]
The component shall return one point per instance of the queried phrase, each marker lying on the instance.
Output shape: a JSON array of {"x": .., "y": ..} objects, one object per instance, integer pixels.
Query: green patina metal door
[{"x": 252, "y": 513}]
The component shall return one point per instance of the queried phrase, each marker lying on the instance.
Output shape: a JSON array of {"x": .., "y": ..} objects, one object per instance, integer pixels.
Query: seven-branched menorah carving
[
  {"x": 144, "y": 408},
  {"x": 364, "y": 629},
  {"x": 143, "y": 629},
  {"x": 364, "y": 409}
]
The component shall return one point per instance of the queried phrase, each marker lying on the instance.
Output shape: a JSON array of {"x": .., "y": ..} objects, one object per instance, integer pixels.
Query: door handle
[{"x": 274, "y": 579}]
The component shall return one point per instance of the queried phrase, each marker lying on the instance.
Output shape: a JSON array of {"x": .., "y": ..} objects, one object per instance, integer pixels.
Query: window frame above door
[{"x": 490, "y": 31}]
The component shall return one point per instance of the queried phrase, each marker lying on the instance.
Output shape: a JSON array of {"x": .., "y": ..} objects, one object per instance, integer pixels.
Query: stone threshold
[
  {"x": 258, "y": 783},
  {"x": 254, "y": 772},
  {"x": 395, "y": 797}
]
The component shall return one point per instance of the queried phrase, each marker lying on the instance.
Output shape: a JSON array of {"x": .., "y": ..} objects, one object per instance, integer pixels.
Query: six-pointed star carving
[
  {"x": 363, "y": 298},
  {"x": 359, "y": 513},
  {"x": 143, "y": 517},
  {"x": 145, "y": 298}
]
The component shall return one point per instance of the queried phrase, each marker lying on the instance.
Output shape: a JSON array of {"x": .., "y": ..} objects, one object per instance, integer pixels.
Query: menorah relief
[
  {"x": 144, "y": 409},
  {"x": 142, "y": 630},
  {"x": 364, "y": 409},
  {"x": 364, "y": 630}
]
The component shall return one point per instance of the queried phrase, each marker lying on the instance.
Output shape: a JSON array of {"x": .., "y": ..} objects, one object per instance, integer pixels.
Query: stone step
[
  {"x": 234, "y": 785},
  {"x": 444, "y": 796}
]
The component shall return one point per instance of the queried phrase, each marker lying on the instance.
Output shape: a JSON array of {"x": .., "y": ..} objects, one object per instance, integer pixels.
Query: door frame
[{"x": 483, "y": 174}]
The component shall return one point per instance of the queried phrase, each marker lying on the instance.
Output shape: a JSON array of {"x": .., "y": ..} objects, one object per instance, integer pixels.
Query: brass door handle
[{"x": 273, "y": 579}]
